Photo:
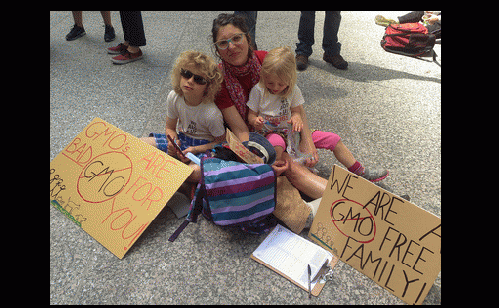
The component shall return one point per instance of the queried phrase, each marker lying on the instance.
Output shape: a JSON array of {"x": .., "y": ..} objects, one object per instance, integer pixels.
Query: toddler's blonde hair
[
  {"x": 281, "y": 62},
  {"x": 203, "y": 64}
]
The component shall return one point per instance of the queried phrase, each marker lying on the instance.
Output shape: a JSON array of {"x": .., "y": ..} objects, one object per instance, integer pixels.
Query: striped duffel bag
[{"x": 231, "y": 193}]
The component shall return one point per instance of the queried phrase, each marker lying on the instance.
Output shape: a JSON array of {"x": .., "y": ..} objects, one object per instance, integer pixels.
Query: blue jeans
[
  {"x": 251, "y": 23},
  {"x": 306, "y": 40}
]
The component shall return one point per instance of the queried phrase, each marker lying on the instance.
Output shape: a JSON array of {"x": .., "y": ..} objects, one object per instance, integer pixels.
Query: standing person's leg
[
  {"x": 251, "y": 23},
  {"x": 133, "y": 32},
  {"x": 330, "y": 42},
  {"x": 106, "y": 17},
  {"x": 306, "y": 33},
  {"x": 78, "y": 18},
  {"x": 305, "y": 39},
  {"x": 109, "y": 34},
  {"x": 77, "y": 31},
  {"x": 133, "y": 29}
]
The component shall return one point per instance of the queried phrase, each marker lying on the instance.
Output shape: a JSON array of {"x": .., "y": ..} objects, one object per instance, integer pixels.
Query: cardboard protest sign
[
  {"x": 112, "y": 184},
  {"x": 389, "y": 239},
  {"x": 238, "y": 147}
]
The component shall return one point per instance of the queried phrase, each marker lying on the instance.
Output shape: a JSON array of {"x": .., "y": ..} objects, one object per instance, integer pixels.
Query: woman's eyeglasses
[
  {"x": 197, "y": 79},
  {"x": 235, "y": 39}
]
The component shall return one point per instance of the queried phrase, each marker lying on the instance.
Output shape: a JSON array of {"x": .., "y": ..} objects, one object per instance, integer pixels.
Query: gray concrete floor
[{"x": 386, "y": 108}]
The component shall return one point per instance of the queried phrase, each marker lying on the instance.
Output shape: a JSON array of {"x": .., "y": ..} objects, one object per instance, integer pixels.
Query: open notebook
[{"x": 289, "y": 254}]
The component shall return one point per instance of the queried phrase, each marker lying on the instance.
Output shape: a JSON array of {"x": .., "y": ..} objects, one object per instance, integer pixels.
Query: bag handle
[{"x": 408, "y": 31}]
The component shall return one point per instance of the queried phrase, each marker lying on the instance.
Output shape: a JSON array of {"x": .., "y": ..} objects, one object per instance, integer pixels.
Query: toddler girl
[
  {"x": 276, "y": 111},
  {"x": 274, "y": 102},
  {"x": 192, "y": 118}
]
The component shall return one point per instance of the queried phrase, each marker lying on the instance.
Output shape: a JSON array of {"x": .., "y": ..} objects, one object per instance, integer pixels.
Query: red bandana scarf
[{"x": 233, "y": 85}]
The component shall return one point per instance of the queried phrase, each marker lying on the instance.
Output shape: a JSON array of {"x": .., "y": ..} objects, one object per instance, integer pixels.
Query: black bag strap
[
  {"x": 407, "y": 31},
  {"x": 178, "y": 231},
  {"x": 410, "y": 33},
  {"x": 197, "y": 207},
  {"x": 404, "y": 32}
]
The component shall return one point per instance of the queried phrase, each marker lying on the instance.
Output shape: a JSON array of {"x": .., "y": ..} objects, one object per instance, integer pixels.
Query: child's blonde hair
[
  {"x": 281, "y": 62},
  {"x": 203, "y": 64}
]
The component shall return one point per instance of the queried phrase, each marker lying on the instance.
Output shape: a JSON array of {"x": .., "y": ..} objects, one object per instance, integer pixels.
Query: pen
[{"x": 309, "y": 281}]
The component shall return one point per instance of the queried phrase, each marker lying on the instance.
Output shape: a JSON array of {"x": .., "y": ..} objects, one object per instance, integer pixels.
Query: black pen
[{"x": 309, "y": 281}]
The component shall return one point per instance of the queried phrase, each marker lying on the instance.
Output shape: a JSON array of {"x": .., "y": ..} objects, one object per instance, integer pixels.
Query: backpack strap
[
  {"x": 196, "y": 206},
  {"x": 194, "y": 211},
  {"x": 435, "y": 58},
  {"x": 397, "y": 34},
  {"x": 178, "y": 231},
  {"x": 411, "y": 30}
]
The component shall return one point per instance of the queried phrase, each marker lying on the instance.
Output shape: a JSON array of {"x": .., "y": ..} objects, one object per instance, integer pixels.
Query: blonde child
[
  {"x": 192, "y": 118},
  {"x": 276, "y": 111},
  {"x": 274, "y": 102}
]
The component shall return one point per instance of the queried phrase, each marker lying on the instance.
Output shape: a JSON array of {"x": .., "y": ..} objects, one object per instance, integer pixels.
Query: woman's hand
[{"x": 236, "y": 123}]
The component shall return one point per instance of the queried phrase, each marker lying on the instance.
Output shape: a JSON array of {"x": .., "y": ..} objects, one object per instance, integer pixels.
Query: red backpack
[{"x": 410, "y": 39}]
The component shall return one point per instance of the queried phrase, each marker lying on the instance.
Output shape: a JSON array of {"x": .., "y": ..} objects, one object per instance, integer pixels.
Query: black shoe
[
  {"x": 75, "y": 33},
  {"x": 337, "y": 61},
  {"x": 109, "y": 35}
]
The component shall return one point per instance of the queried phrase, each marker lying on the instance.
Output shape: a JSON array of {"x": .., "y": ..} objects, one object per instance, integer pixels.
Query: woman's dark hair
[{"x": 238, "y": 21}]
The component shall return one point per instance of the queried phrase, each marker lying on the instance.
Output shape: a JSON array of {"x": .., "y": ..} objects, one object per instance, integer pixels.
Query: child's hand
[
  {"x": 258, "y": 123},
  {"x": 296, "y": 122},
  {"x": 193, "y": 150},
  {"x": 311, "y": 162},
  {"x": 172, "y": 151},
  {"x": 309, "y": 149},
  {"x": 280, "y": 166}
]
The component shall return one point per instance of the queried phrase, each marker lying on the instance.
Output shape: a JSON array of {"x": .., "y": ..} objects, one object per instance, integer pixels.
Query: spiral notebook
[{"x": 289, "y": 254}]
